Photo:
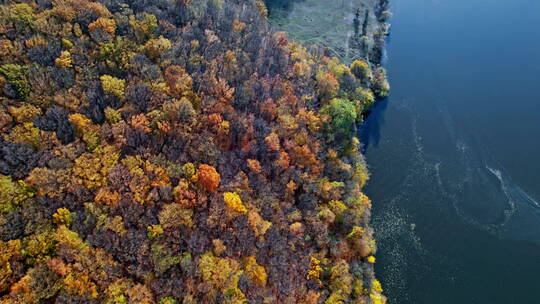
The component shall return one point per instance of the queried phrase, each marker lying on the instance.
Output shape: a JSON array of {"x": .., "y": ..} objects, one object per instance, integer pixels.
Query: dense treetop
[{"x": 159, "y": 151}]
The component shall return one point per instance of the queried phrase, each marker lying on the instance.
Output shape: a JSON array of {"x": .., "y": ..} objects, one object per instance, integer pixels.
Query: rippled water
[{"x": 455, "y": 153}]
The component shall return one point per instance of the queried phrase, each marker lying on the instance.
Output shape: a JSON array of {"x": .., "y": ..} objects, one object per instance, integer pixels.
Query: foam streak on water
[{"x": 442, "y": 183}]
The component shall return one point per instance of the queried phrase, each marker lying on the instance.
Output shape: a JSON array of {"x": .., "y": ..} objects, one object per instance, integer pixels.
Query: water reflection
[
  {"x": 370, "y": 131},
  {"x": 282, "y": 7}
]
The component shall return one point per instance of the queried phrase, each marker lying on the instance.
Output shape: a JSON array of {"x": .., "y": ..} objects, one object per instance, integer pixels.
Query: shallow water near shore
[{"x": 454, "y": 153}]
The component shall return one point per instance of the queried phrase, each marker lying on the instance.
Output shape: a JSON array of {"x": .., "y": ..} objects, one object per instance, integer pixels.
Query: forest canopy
[{"x": 178, "y": 152}]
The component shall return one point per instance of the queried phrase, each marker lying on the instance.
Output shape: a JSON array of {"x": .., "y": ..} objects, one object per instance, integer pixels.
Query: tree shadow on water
[
  {"x": 369, "y": 131},
  {"x": 282, "y": 7}
]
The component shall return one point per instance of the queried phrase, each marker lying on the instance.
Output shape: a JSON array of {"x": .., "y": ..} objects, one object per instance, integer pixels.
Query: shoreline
[{"x": 374, "y": 57}]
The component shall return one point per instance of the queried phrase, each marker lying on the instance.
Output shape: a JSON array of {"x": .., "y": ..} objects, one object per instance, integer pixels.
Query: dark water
[{"x": 454, "y": 153}]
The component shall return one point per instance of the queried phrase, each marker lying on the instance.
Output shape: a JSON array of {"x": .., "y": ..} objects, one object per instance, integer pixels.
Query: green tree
[
  {"x": 15, "y": 76},
  {"x": 12, "y": 193},
  {"x": 167, "y": 300},
  {"x": 341, "y": 117},
  {"x": 143, "y": 25},
  {"x": 113, "y": 86},
  {"x": 22, "y": 15}
]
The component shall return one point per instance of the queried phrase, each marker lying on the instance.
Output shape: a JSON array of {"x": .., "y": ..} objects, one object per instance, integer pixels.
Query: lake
[{"x": 454, "y": 153}]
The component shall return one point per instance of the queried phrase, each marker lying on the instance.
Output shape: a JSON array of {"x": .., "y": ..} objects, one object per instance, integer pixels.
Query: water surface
[{"x": 454, "y": 154}]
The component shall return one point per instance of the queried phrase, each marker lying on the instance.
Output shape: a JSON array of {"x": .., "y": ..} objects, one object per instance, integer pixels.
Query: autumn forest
[{"x": 158, "y": 151}]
